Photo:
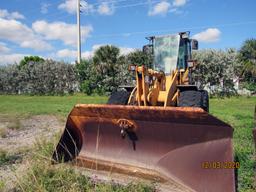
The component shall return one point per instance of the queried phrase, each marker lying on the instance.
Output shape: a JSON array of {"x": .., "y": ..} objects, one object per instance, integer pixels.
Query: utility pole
[{"x": 78, "y": 33}]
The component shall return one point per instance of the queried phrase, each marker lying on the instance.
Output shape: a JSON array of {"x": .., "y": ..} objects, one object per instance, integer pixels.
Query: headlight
[{"x": 132, "y": 68}]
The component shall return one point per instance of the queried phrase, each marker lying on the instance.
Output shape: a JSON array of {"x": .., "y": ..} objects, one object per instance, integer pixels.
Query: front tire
[
  {"x": 192, "y": 98},
  {"x": 119, "y": 98}
]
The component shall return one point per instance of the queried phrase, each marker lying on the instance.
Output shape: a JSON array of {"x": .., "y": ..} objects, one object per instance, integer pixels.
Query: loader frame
[
  {"x": 159, "y": 88},
  {"x": 154, "y": 88}
]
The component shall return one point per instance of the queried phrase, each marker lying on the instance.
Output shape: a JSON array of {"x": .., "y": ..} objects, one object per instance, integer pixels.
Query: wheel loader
[{"x": 158, "y": 130}]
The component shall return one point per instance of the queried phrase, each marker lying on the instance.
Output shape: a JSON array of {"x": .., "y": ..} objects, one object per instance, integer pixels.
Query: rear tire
[
  {"x": 194, "y": 99},
  {"x": 205, "y": 100},
  {"x": 119, "y": 98}
]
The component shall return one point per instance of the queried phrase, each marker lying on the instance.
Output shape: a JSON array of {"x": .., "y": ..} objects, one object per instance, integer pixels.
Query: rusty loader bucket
[{"x": 174, "y": 144}]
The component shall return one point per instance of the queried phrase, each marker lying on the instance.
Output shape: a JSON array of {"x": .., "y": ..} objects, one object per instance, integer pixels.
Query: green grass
[
  {"x": 236, "y": 111},
  {"x": 43, "y": 176},
  {"x": 239, "y": 113},
  {"x": 3, "y": 132},
  {"x": 3, "y": 157},
  {"x": 20, "y": 105},
  {"x": 2, "y": 186},
  {"x": 7, "y": 159}
]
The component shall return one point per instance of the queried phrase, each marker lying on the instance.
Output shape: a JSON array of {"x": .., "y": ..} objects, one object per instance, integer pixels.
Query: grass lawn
[
  {"x": 20, "y": 105},
  {"x": 237, "y": 111}
]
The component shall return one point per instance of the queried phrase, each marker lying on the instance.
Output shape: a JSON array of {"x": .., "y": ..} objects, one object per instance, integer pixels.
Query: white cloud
[
  {"x": 106, "y": 9},
  {"x": 61, "y": 31},
  {"x": 179, "y": 3},
  {"x": 71, "y": 6},
  {"x": 72, "y": 54},
  {"x": 87, "y": 54},
  {"x": 103, "y": 8},
  {"x": 16, "y": 32},
  {"x": 36, "y": 44},
  {"x": 11, "y": 58},
  {"x": 126, "y": 50},
  {"x": 10, "y": 15},
  {"x": 3, "y": 48},
  {"x": 209, "y": 35},
  {"x": 44, "y": 7},
  {"x": 161, "y": 8},
  {"x": 67, "y": 53}
]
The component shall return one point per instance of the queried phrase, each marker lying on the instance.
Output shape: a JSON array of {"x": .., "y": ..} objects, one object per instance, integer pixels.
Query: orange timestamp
[{"x": 220, "y": 165}]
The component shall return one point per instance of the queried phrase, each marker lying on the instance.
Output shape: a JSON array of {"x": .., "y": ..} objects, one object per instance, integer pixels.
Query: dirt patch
[
  {"x": 29, "y": 131},
  {"x": 17, "y": 139}
]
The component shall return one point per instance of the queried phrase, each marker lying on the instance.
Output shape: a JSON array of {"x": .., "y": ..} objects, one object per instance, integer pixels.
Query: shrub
[
  {"x": 251, "y": 86},
  {"x": 38, "y": 78},
  {"x": 216, "y": 70},
  {"x": 86, "y": 87}
]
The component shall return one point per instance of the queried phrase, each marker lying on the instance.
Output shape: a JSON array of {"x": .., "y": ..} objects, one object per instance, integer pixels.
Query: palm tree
[
  {"x": 106, "y": 64},
  {"x": 106, "y": 58},
  {"x": 247, "y": 56}
]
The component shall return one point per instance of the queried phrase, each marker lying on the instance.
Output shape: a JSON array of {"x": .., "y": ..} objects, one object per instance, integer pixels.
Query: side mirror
[
  {"x": 132, "y": 67},
  {"x": 192, "y": 63},
  {"x": 194, "y": 44},
  {"x": 148, "y": 49}
]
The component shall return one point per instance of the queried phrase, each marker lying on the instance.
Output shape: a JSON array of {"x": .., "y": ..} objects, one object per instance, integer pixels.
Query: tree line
[
  {"x": 216, "y": 70},
  {"x": 37, "y": 77},
  {"x": 219, "y": 70}
]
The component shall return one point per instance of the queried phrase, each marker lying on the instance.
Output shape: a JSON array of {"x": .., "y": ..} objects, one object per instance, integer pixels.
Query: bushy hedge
[
  {"x": 108, "y": 69},
  {"x": 216, "y": 70},
  {"x": 40, "y": 78}
]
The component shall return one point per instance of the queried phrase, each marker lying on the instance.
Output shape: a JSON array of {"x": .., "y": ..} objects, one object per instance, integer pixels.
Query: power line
[
  {"x": 120, "y": 6},
  {"x": 94, "y": 4},
  {"x": 113, "y": 1},
  {"x": 129, "y": 5},
  {"x": 137, "y": 4},
  {"x": 125, "y": 34},
  {"x": 36, "y": 11},
  {"x": 83, "y": 1},
  {"x": 99, "y": 3}
]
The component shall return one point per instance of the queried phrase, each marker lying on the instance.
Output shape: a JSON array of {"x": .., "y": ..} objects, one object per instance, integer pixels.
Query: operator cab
[{"x": 171, "y": 52}]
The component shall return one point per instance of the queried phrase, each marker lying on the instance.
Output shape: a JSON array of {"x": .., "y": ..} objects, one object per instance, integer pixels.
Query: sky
[{"x": 47, "y": 28}]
